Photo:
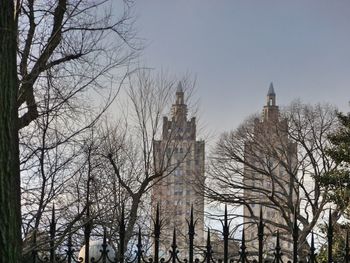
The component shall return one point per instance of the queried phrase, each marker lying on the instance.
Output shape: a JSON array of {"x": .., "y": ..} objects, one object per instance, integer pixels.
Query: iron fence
[{"x": 139, "y": 255}]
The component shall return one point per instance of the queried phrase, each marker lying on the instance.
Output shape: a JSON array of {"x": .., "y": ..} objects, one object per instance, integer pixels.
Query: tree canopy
[{"x": 337, "y": 180}]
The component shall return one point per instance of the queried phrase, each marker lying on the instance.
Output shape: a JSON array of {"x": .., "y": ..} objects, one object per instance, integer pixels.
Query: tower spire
[
  {"x": 270, "y": 112},
  {"x": 179, "y": 94},
  {"x": 179, "y": 109},
  {"x": 271, "y": 96},
  {"x": 179, "y": 87},
  {"x": 271, "y": 91}
]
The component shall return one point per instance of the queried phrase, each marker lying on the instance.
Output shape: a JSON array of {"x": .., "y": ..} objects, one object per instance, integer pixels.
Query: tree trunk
[{"x": 10, "y": 229}]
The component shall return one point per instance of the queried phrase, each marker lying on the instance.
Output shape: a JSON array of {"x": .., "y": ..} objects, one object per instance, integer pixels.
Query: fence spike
[
  {"x": 52, "y": 235},
  {"x": 191, "y": 233},
  {"x": 260, "y": 236},
  {"x": 122, "y": 235},
  {"x": 278, "y": 254},
  {"x": 330, "y": 237},
  {"x": 69, "y": 248},
  {"x": 295, "y": 237},
  {"x": 312, "y": 249},
  {"x": 347, "y": 247},
  {"x": 104, "y": 246},
  {"x": 156, "y": 235},
  {"x": 208, "y": 247},
  {"x": 225, "y": 233},
  {"x": 243, "y": 248},
  {"x": 174, "y": 246},
  {"x": 139, "y": 246},
  {"x": 88, "y": 223}
]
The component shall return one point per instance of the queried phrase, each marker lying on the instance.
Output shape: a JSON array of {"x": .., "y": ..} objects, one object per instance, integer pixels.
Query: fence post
[
  {"x": 174, "y": 247},
  {"x": 34, "y": 255},
  {"x": 52, "y": 235},
  {"x": 278, "y": 254},
  {"x": 208, "y": 253},
  {"x": 260, "y": 236},
  {"x": 243, "y": 248},
  {"x": 225, "y": 233},
  {"x": 139, "y": 247},
  {"x": 69, "y": 248},
  {"x": 104, "y": 246},
  {"x": 330, "y": 237},
  {"x": 156, "y": 235},
  {"x": 312, "y": 249},
  {"x": 122, "y": 235},
  {"x": 87, "y": 233},
  {"x": 295, "y": 237},
  {"x": 191, "y": 234},
  {"x": 347, "y": 247},
  {"x": 34, "y": 251},
  {"x": 88, "y": 223}
]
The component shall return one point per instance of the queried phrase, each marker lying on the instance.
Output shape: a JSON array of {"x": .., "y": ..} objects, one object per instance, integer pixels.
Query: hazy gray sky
[{"x": 236, "y": 48}]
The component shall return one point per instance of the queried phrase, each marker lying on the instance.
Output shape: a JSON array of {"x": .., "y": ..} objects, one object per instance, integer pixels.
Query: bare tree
[
  {"x": 71, "y": 47},
  {"x": 131, "y": 150},
  {"x": 295, "y": 145},
  {"x": 117, "y": 156}
]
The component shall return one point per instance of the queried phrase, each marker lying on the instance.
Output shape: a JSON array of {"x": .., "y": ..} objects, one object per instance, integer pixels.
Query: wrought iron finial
[
  {"x": 243, "y": 252},
  {"x": 312, "y": 249},
  {"x": 330, "y": 237},
  {"x": 139, "y": 247},
  {"x": 191, "y": 233},
  {"x": 156, "y": 232},
  {"x": 295, "y": 237},
  {"x": 347, "y": 250},
  {"x": 104, "y": 251},
  {"x": 260, "y": 236},
  {"x": 225, "y": 233},
  {"x": 278, "y": 254},
  {"x": 122, "y": 235},
  {"x": 52, "y": 235},
  {"x": 174, "y": 251}
]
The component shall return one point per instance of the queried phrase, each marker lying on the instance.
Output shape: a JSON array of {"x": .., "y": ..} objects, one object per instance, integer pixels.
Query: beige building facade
[
  {"x": 268, "y": 157},
  {"x": 180, "y": 189}
]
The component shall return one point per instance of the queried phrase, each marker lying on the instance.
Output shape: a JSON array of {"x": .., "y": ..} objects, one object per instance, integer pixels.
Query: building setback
[
  {"x": 178, "y": 191},
  {"x": 266, "y": 177}
]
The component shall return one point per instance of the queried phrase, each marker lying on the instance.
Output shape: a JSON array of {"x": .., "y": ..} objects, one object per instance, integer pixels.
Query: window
[
  {"x": 178, "y": 172},
  {"x": 178, "y": 182}
]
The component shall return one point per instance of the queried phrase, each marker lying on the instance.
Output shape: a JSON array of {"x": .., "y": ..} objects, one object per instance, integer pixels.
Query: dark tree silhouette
[{"x": 10, "y": 236}]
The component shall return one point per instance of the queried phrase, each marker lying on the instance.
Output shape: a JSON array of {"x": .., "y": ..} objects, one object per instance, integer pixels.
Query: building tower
[
  {"x": 270, "y": 155},
  {"x": 178, "y": 191}
]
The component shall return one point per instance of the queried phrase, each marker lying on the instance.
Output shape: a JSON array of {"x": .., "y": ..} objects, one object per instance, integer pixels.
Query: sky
[{"x": 235, "y": 49}]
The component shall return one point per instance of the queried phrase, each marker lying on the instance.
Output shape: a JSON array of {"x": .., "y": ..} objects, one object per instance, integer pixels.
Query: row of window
[{"x": 180, "y": 192}]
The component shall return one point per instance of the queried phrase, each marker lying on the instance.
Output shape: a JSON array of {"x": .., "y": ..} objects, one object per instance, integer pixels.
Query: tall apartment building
[
  {"x": 270, "y": 154},
  {"x": 178, "y": 191}
]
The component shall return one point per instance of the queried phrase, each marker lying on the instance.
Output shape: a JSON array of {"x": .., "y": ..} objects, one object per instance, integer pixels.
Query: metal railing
[{"x": 139, "y": 256}]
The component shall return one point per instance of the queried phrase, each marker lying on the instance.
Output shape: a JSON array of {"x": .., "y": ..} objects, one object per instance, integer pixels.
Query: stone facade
[{"x": 180, "y": 190}]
